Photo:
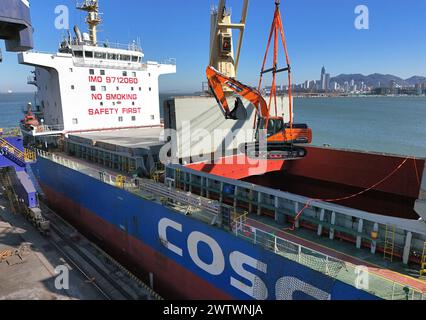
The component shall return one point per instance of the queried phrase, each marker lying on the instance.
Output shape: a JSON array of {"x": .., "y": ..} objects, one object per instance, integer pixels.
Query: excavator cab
[
  {"x": 273, "y": 126},
  {"x": 280, "y": 141}
]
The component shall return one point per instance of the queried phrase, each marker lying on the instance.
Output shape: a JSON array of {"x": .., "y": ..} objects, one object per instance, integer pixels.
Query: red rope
[
  {"x": 308, "y": 204},
  {"x": 417, "y": 171}
]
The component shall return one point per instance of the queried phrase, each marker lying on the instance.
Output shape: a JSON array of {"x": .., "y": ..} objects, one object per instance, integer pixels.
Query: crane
[{"x": 281, "y": 137}]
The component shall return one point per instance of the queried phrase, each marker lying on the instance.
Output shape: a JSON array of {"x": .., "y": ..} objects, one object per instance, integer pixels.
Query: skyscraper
[{"x": 325, "y": 79}]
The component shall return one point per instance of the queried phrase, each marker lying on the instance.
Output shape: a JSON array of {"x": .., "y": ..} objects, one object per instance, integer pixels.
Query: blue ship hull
[{"x": 187, "y": 258}]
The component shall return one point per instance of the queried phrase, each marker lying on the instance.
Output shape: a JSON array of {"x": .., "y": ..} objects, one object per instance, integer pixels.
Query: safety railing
[
  {"x": 361, "y": 277},
  {"x": 11, "y": 149},
  {"x": 135, "y": 185}
]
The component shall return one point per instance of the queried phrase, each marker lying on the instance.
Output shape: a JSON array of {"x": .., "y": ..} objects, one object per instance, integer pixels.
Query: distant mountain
[
  {"x": 416, "y": 80},
  {"x": 377, "y": 79}
]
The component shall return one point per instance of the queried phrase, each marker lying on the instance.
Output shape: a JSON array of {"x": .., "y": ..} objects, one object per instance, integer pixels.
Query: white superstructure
[{"x": 88, "y": 87}]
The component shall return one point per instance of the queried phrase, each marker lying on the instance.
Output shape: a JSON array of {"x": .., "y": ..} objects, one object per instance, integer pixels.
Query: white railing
[
  {"x": 133, "y": 46},
  {"x": 135, "y": 184},
  {"x": 378, "y": 285},
  {"x": 170, "y": 61},
  {"x": 103, "y": 63},
  {"x": 41, "y": 129}
]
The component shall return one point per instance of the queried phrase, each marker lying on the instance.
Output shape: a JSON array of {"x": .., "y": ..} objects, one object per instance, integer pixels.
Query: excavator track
[{"x": 274, "y": 151}]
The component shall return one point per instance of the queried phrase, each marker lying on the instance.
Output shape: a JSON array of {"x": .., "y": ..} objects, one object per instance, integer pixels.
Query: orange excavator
[{"x": 281, "y": 137}]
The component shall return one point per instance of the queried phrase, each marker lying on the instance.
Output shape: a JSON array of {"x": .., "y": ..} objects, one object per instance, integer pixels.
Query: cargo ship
[{"x": 336, "y": 225}]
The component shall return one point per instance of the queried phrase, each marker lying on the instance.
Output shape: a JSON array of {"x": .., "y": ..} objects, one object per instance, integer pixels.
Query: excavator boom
[{"x": 217, "y": 81}]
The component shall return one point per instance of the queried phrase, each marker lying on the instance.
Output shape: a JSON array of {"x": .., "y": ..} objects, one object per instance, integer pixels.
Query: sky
[{"x": 319, "y": 32}]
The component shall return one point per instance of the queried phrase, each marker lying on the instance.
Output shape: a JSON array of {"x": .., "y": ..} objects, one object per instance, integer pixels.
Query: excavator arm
[{"x": 217, "y": 81}]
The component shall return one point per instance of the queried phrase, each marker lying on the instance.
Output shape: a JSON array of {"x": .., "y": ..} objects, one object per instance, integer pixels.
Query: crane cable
[
  {"x": 310, "y": 201},
  {"x": 277, "y": 29}
]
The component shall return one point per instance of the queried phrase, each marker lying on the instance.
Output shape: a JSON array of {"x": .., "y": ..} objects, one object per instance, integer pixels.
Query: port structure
[
  {"x": 15, "y": 26},
  {"x": 21, "y": 158},
  {"x": 107, "y": 276}
]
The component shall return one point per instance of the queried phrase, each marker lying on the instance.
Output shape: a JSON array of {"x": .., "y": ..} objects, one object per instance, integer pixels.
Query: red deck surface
[{"x": 330, "y": 174}]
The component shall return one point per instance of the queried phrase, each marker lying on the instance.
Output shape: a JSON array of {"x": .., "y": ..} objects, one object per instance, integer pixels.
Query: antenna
[{"x": 93, "y": 17}]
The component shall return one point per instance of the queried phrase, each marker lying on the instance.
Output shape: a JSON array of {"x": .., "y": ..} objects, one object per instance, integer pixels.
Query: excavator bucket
[{"x": 239, "y": 112}]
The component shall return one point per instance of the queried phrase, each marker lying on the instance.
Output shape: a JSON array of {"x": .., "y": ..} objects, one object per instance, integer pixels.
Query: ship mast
[{"x": 93, "y": 17}]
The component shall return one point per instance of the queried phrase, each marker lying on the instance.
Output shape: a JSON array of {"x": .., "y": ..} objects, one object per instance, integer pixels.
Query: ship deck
[
  {"x": 137, "y": 138},
  {"x": 387, "y": 278}
]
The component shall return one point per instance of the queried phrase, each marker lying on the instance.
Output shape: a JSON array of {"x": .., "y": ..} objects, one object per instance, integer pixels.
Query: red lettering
[
  {"x": 118, "y": 97},
  {"x": 131, "y": 110},
  {"x": 96, "y": 96},
  {"x": 95, "y": 79}
]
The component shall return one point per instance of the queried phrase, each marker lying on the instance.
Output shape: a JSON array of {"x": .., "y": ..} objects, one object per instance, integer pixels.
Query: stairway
[{"x": 14, "y": 154}]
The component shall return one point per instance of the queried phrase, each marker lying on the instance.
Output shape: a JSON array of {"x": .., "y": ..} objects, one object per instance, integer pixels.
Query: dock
[{"x": 31, "y": 264}]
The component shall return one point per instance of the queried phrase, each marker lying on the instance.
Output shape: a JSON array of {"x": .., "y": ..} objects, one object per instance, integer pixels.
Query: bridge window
[
  {"x": 112, "y": 56},
  {"x": 135, "y": 59},
  {"x": 100, "y": 55},
  {"x": 78, "y": 54},
  {"x": 124, "y": 57},
  {"x": 88, "y": 54}
]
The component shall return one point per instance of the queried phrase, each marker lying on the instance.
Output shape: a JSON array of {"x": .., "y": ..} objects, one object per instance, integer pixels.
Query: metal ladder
[
  {"x": 120, "y": 181},
  {"x": 389, "y": 249},
  {"x": 423, "y": 262}
]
